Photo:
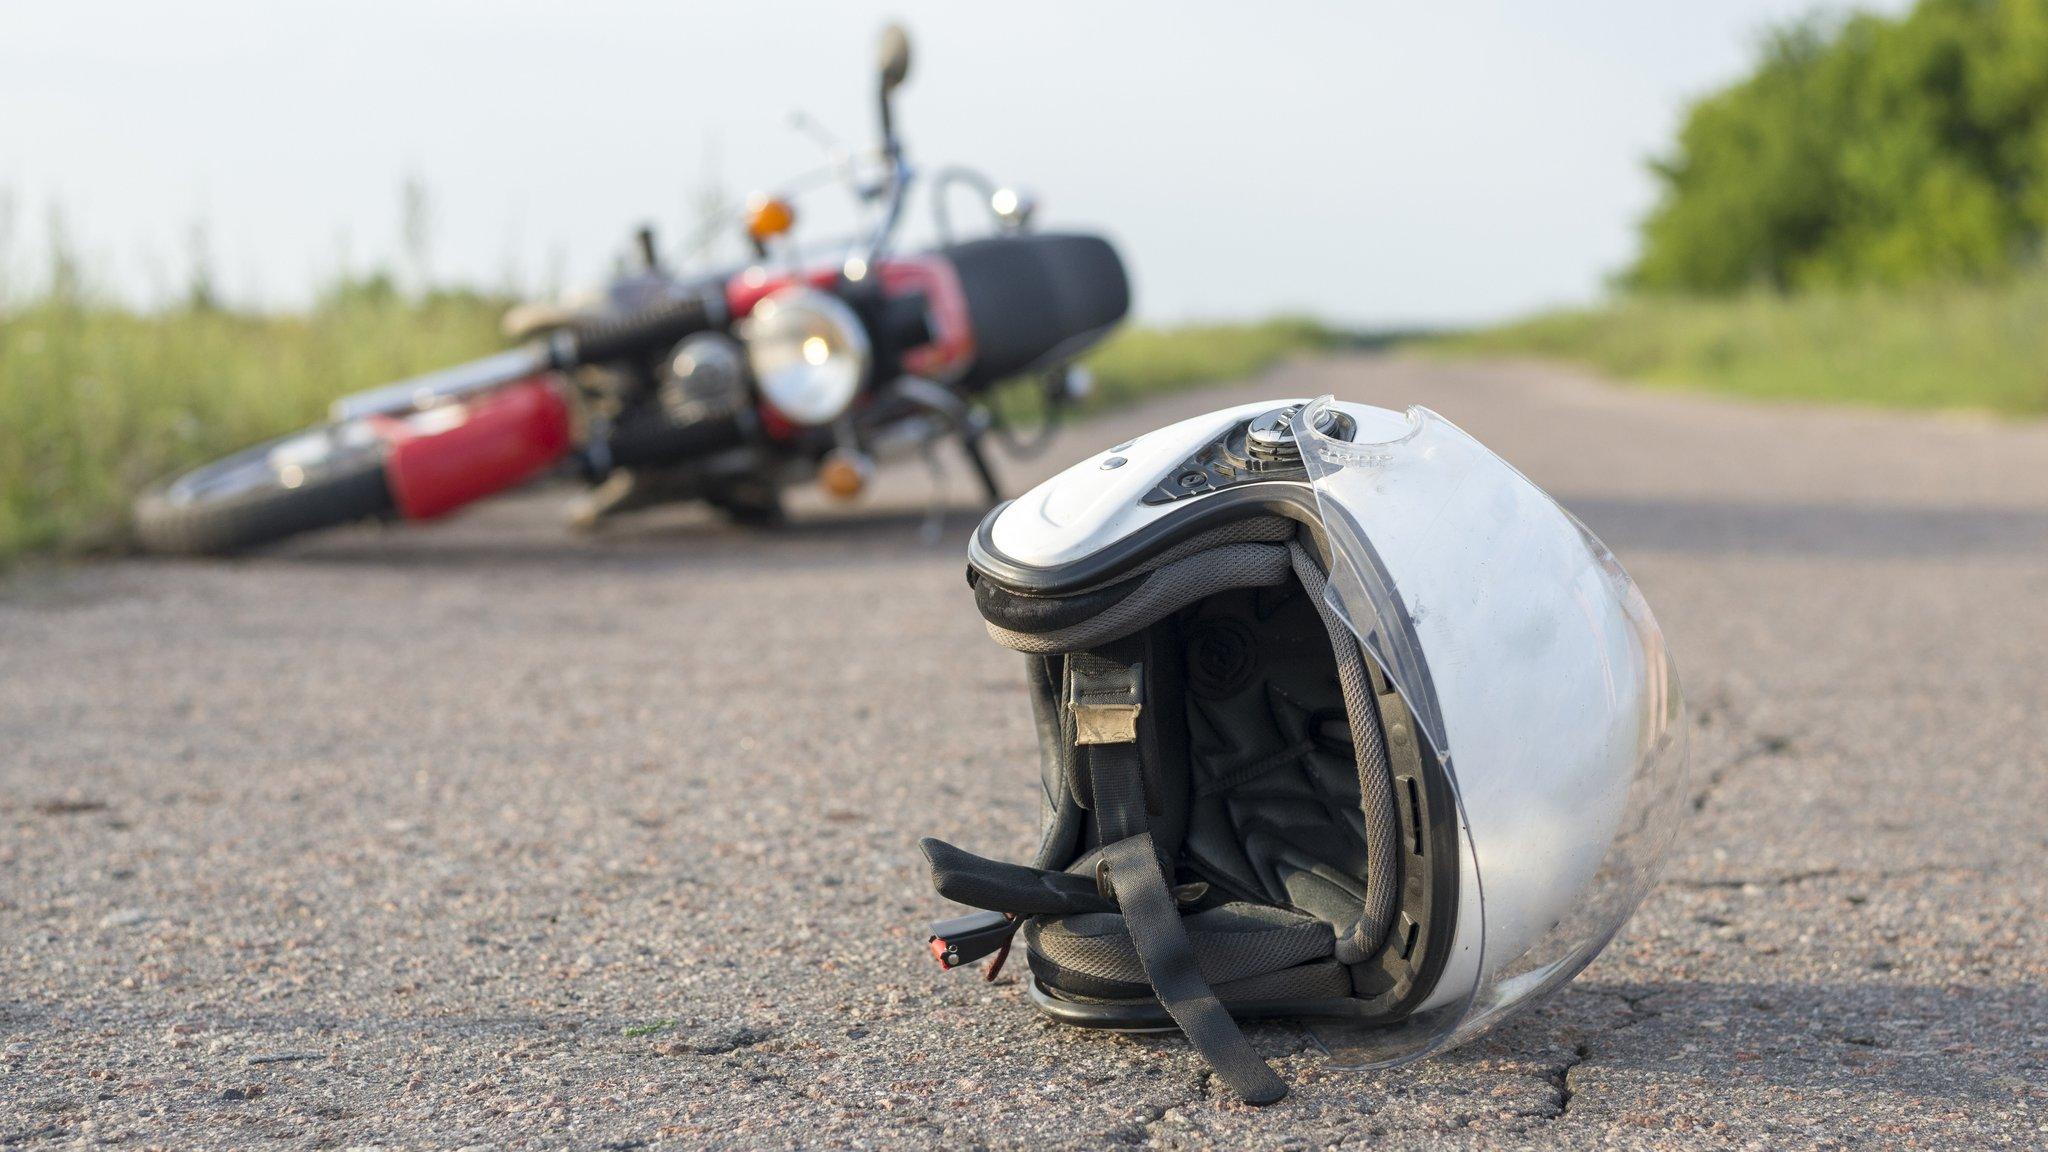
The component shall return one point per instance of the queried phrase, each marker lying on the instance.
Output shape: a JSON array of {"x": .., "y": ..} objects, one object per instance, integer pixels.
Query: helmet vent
[{"x": 1415, "y": 813}]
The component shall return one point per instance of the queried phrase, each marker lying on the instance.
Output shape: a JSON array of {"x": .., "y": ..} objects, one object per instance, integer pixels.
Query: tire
[
  {"x": 315, "y": 479},
  {"x": 750, "y": 504}
]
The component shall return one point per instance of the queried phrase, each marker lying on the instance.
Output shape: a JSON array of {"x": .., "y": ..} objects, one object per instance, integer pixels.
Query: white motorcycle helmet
[{"x": 1341, "y": 719}]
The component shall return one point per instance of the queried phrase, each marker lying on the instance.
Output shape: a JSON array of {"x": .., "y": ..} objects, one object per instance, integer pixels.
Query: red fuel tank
[{"x": 440, "y": 459}]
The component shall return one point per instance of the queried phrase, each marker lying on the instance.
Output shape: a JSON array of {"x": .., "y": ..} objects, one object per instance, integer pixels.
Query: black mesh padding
[
  {"x": 1035, "y": 298},
  {"x": 1315, "y": 980},
  {"x": 1319, "y": 980},
  {"x": 1232, "y": 942},
  {"x": 1377, "y": 896},
  {"x": 1249, "y": 530}
]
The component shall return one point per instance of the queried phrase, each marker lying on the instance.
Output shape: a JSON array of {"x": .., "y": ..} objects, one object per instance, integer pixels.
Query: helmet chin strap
[
  {"x": 1132, "y": 878},
  {"x": 1135, "y": 877}
]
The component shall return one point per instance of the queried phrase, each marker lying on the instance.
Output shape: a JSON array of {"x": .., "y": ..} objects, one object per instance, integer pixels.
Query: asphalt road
[{"x": 489, "y": 834}]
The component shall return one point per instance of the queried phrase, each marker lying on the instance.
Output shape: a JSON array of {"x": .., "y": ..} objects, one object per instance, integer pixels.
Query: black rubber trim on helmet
[
  {"x": 1403, "y": 973},
  {"x": 1144, "y": 1014},
  {"x": 1022, "y": 613},
  {"x": 1291, "y": 498}
]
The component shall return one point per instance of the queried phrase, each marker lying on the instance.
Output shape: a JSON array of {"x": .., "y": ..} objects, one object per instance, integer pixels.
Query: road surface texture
[{"x": 487, "y": 834}]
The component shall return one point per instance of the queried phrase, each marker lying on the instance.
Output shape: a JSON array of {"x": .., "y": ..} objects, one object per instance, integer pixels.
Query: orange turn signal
[
  {"x": 769, "y": 217},
  {"x": 843, "y": 473}
]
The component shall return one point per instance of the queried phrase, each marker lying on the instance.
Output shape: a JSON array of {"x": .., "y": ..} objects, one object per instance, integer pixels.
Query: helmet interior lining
[{"x": 1252, "y": 753}]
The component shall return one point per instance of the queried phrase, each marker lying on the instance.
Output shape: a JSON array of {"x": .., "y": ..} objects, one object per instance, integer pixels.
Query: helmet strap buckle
[{"x": 1105, "y": 700}]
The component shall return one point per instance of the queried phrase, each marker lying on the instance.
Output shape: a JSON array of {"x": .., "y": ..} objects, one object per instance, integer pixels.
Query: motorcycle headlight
[{"x": 809, "y": 353}]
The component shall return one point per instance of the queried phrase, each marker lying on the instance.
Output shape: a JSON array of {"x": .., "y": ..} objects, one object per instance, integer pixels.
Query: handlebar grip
[{"x": 599, "y": 340}]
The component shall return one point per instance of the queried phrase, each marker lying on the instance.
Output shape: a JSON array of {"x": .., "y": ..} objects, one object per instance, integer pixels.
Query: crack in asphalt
[
  {"x": 1807, "y": 875},
  {"x": 1139, "y": 1134},
  {"x": 719, "y": 1043},
  {"x": 1764, "y": 745},
  {"x": 1561, "y": 1078},
  {"x": 1741, "y": 882}
]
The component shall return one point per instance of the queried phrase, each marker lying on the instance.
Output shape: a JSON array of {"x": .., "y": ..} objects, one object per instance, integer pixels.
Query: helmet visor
[{"x": 1539, "y": 678}]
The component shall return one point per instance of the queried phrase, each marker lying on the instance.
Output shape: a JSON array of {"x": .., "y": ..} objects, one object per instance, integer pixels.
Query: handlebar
[
  {"x": 895, "y": 69},
  {"x": 596, "y": 341},
  {"x": 590, "y": 342},
  {"x": 892, "y": 214}
]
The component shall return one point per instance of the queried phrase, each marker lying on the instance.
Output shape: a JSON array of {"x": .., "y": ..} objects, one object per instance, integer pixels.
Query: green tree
[{"x": 1863, "y": 150}]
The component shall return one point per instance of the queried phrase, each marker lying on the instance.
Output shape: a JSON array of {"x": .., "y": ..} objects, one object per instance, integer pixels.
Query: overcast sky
[{"x": 1373, "y": 162}]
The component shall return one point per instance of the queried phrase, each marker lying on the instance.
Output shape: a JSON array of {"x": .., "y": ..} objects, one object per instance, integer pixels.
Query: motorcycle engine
[{"x": 704, "y": 377}]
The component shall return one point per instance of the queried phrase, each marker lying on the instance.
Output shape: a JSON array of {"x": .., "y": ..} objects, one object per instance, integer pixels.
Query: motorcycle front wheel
[{"x": 314, "y": 479}]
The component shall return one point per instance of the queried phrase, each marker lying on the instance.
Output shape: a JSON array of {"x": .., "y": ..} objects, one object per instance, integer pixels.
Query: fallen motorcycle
[{"x": 729, "y": 387}]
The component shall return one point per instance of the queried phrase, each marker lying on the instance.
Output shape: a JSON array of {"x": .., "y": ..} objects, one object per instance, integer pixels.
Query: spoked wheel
[{"x": 314, "y": 479}]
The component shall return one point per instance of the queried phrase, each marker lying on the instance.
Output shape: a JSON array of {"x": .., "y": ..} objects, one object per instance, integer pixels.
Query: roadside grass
[
  {"x": 1962, "y": 346},
  {"x": 97, "y": 401}
]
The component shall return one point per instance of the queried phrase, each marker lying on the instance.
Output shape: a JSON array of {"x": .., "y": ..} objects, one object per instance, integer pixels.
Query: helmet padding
[{"x": 1257, "y": 779}]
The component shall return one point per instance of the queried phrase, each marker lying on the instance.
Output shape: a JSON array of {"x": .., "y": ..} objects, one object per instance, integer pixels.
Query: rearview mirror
[{"x": 894, "y": 57}]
